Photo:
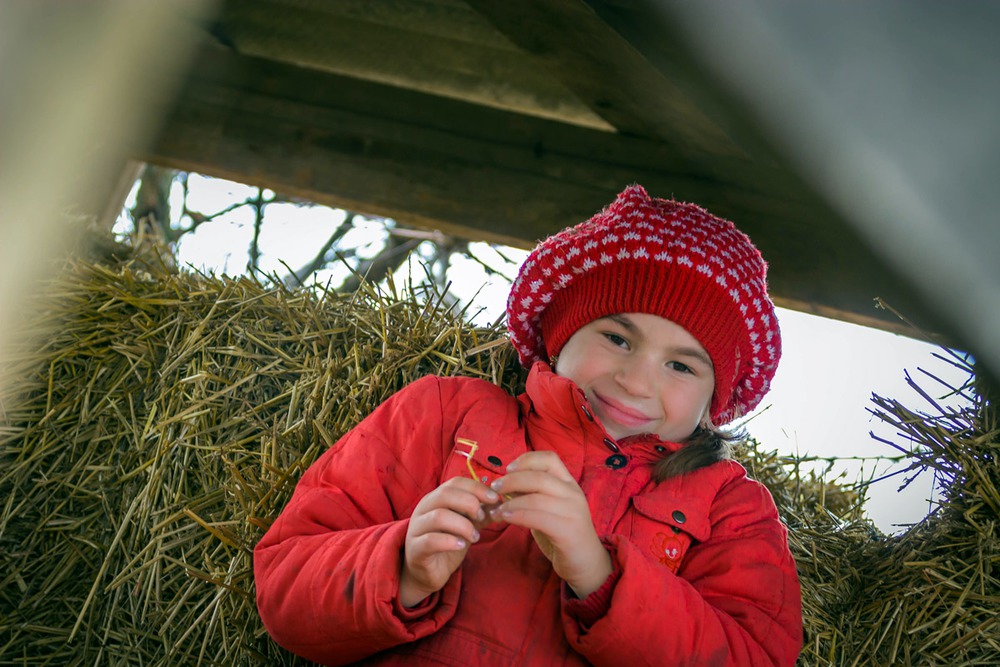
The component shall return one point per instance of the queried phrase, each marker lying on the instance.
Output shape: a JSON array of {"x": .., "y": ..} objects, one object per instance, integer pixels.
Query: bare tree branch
[
  {"x": 298, "y": 278},
  {"x": 152, "y": 204},
  {"x": 400, "y": 241},
  {"x": 377, "y": 268},
  {"x": 199, "y": 218},
  {"x": 442, "y": 259},
  {"x": 432, "y": 235},
  {"x": 258, "y": 220},
  {"x": 490, "y": 271}
]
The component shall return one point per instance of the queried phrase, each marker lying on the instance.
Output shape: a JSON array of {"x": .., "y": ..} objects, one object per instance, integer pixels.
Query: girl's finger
[
  {"x": 536, "y": 481},
  {"x": 464, "y": 496},
  {"x": 541, "y": 461},
  {"x": 560, "y": 510},
  {"x": 446, "y": 521},
  {"x": 433, "y": 543},
  {"x": 465, "y": 485}
]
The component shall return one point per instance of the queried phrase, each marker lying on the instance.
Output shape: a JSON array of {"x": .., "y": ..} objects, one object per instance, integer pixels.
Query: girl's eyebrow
[
  {"x": 691, "y": 352},
  {"x": 694, "y": 353},
  {"x": 625, "y": 322}
]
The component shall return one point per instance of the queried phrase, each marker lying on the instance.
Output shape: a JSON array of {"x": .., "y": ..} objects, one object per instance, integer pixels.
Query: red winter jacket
[{"x": 703, "y": 574}]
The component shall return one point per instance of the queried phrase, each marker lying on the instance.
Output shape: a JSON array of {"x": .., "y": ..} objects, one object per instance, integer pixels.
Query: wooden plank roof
[{"x": 506, "y": 121}]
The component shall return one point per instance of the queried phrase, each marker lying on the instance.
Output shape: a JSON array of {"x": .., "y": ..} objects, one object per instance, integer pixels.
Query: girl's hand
[
  {"x": 442, "y": 527},
  {"x": 545, "y": 498}
]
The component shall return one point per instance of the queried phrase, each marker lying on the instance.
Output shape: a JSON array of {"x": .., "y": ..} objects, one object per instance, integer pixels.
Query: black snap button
[
  {"x": 587, "y": 412},
  {"x": 495, "y": 460},
  {"x": 661, "y": 448},
  {"x": 679, "y": 516},
  {"x": 616, "y": 461},
  {"x": 611, "y": 444}
]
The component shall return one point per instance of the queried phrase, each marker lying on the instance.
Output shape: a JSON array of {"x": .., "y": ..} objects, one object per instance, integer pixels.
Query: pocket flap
[{"x": 683, "y": 514}]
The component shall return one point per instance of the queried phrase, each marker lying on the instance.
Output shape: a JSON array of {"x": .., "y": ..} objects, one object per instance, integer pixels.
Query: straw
[{"x": 161, "y": 425}]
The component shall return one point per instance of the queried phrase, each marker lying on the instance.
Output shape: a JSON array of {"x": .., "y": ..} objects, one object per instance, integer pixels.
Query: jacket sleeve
[
  {"x": 735, "y": 600},
  {"x": 327, "y": 570}
]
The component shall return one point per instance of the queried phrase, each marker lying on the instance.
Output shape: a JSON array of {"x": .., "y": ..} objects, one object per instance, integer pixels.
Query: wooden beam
[
  {"x": 443, "y": 48},
  {"x": 608, "y": 74},
  {"x": 494, "y": 175}
]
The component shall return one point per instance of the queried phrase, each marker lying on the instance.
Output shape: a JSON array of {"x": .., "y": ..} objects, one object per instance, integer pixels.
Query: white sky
[{"x": 819, "y": 400}]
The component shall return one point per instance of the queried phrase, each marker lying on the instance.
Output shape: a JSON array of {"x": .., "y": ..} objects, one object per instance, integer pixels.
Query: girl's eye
[
  {"x": 679, "y": 367},
  {"x": 615, "y": 339}
]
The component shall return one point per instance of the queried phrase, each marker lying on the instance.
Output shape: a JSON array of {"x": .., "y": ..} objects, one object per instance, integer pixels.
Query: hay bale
[
  {"x": 162, "y": 426},
  {"x": 931, "y": 595}
]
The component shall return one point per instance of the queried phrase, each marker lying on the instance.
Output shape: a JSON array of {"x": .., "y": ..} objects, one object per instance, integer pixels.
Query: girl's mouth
[{"x": 622, "y": 414}]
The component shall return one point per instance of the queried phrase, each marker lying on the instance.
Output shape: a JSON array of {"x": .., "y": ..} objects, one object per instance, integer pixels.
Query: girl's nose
[{"x": 635, "y": 376}]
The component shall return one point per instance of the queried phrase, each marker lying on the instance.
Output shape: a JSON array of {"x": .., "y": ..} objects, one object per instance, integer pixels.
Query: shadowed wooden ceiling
[{"x": 506, "y": 121}]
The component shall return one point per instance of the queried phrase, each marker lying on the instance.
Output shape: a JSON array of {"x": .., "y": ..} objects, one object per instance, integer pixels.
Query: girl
[{"x": 605, "y": 524}]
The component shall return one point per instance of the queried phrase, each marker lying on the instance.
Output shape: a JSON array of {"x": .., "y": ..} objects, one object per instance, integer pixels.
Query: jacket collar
[
  {"x": 555, "y": 411},
  {"x": 556, "y": 398}
]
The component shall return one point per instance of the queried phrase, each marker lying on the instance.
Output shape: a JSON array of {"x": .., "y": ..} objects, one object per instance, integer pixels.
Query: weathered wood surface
[{"x": 317, "y": 114}]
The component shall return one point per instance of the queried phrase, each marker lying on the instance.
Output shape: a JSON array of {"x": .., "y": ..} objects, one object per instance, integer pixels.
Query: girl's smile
[{"x": 619, "y": 412}]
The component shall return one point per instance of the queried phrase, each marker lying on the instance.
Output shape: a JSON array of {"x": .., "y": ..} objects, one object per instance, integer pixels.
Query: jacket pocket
[{"x": 665, "y": 531}]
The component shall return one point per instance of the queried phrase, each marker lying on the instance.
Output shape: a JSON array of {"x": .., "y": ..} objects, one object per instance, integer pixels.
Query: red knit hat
[{"x": 657, "y": 256}]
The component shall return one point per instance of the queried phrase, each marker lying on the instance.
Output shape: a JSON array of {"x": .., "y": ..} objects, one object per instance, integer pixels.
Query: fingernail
[
  {"x": 460, "y": 542},
  {"x": 512, "y": 466},
  {"x": 475, "y": 536},
  {"x": 495, "y": 485},
  {"x": 480, "y": 515}
]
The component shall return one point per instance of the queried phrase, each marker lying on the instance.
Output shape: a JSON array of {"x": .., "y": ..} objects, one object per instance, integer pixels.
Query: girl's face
[{"x": 642, "y": 374}]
